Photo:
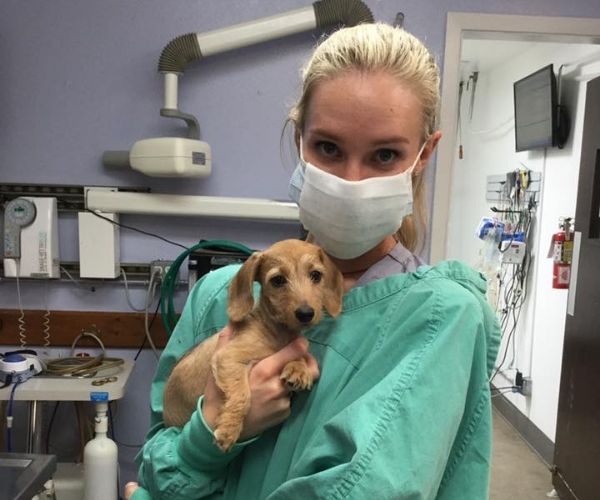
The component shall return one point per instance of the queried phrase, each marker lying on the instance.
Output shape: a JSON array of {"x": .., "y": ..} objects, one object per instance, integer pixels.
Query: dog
[{"x": 298, "y": 281}]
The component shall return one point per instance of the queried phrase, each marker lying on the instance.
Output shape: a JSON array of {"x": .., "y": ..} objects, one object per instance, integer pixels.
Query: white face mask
[{"x": 349, "y": 218}]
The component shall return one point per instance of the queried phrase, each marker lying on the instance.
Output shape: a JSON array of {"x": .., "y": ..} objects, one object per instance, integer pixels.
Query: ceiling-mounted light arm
[{"x": 180, "y": 51}]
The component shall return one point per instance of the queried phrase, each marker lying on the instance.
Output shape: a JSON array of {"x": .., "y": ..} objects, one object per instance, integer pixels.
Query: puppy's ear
[
  {"x": 241, "y": 298},
  {"x": 334, "y": 286}
]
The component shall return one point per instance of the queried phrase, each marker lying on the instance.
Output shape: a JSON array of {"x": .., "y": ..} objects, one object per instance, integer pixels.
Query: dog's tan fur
[{"x": 288, "y": 273}]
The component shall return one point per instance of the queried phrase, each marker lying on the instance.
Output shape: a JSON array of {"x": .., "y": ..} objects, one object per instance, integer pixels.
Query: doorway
[{"x": 536, "y": 349}]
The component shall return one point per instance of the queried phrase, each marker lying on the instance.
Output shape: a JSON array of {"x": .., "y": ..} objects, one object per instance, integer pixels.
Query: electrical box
[
  {"x": 513, "y": 252},
  {"x": 202, "y": 261},
  {"x": 99, "y": 248},
  {"x": 31, "y": 238}
]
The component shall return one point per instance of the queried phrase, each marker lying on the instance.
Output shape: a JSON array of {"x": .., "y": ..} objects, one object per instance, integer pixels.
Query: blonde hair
[{"x": 373, "y": 48}]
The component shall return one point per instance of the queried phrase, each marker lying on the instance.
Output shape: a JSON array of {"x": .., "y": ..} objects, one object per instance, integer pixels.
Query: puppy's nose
[{"x": 305, "y": 314}]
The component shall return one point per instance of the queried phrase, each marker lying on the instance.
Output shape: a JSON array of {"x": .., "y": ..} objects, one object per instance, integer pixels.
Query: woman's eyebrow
[
  {"x": 391, "y": 140},
  {"x": 324, "y": 134}
]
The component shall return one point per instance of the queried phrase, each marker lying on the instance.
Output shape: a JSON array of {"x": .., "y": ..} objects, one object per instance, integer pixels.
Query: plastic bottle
[{"x": 100, "y": 461}]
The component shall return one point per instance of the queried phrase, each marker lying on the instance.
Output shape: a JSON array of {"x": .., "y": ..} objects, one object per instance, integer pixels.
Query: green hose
[{"x": 167, "y": 290}]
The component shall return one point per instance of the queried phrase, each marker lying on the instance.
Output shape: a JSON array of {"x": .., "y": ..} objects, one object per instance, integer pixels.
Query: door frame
[{"x": 492, "y": 27}]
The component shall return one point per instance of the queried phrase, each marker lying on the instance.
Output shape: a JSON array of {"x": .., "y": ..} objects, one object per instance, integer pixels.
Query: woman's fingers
[
  {"x": 129, "y": 489},
  {"x": 273, "y": 365}
]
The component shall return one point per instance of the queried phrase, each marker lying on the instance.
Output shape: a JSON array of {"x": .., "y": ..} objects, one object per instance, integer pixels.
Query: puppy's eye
[
  {"x": 278, "y": 281},
  {"x": 315, "y": 276}
]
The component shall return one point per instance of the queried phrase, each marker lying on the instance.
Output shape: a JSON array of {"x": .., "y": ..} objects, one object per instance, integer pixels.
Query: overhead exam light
[{"x": 191, "y": 157}]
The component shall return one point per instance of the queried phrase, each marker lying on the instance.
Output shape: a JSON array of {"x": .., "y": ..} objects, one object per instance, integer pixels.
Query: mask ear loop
[
  {"x": 301, "y": 154},
  {"x": 412, "y": 167}
]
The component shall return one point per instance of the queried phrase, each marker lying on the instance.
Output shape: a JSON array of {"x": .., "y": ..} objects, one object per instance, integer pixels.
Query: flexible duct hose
[
  {"x": 346, "y": 12},
  {"x": 180, "y": 51}
]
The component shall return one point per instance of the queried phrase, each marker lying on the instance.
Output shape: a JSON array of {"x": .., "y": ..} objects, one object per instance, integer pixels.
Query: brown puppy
[{"x": 297, "y": 281}]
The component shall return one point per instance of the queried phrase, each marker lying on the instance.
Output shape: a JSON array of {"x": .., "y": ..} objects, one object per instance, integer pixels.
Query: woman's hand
[
  {"x": 269, "y": 397},
  {"x": 130, "y": 490}
]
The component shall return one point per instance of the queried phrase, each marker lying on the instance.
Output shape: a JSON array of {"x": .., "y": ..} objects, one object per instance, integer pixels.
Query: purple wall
[{"x": 79, "y": 77}]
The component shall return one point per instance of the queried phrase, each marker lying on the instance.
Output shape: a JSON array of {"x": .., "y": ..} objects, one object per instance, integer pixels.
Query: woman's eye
[
  {"x": 315, "y": 276},
  {"x": 327, "y": 149},
  {"x": 278, "y": 281},
  {"x": 386, "y": 156}
]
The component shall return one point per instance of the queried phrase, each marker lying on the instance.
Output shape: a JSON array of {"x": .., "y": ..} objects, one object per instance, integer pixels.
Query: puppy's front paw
[
  {"x": 296, "y": 376},
  {"x": 225, "y": 439}
]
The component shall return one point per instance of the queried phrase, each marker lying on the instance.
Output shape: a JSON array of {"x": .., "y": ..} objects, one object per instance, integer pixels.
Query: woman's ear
[
  {"x": 297, "y": 136},
  {"x": 428, "y": 150},
  {"x": 241, "y": 297}
]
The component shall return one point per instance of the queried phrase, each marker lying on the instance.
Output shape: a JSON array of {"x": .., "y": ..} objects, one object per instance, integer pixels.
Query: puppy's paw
[
  {"x": 225, "y": 439},
  {"x": 296, "y": 376}
]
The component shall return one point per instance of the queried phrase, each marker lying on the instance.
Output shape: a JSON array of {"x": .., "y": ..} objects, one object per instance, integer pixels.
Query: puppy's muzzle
[{"x": 305, "y": 314}]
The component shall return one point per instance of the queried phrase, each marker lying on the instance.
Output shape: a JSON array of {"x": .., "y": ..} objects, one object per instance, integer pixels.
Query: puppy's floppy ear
[
  {"x": 334, "y": 286},
  {"x": 241, "y": 298}
]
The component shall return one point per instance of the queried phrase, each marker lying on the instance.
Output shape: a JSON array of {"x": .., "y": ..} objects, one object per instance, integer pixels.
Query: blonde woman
[{"x": 402, "y": 406}]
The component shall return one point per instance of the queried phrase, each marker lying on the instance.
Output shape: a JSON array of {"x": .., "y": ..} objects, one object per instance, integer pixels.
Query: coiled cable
[
  {"x": 77, "y": 366},
  {"x": 46, "y": 319},
  {"x": 21, "y": 318}
]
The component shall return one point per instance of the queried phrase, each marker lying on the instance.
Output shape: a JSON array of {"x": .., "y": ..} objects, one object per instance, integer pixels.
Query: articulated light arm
[{"x": 180, "y": 51}]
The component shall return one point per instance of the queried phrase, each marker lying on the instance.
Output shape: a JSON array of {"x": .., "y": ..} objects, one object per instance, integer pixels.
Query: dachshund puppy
[{"x": 297, "y": 281}]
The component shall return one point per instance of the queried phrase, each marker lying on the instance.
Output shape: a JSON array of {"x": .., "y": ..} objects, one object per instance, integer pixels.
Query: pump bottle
[{"x": 100, "y": 461}]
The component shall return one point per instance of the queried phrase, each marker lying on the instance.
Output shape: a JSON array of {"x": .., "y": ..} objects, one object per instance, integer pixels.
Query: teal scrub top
[{"x": 401, "y": 410}]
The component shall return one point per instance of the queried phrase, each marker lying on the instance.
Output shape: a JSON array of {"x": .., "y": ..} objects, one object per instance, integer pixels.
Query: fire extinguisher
[{"x": 562, "y": 254}]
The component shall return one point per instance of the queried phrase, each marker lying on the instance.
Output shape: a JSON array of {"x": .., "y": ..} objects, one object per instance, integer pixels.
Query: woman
[{"x": 402, "y": 406}]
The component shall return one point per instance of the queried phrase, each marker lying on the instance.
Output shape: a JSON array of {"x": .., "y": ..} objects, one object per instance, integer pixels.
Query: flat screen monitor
[{"x": 535, "y": 110}]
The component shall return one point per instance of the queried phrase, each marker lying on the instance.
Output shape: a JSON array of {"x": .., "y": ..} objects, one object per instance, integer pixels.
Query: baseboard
[{"x": 534, "y": 437}]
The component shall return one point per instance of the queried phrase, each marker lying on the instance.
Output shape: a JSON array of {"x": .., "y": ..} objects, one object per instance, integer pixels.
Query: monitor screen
[{"x": 535, "y": 110}]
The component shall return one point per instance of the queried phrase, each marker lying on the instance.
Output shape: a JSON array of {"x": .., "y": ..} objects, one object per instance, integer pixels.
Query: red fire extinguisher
[{"x": 562, "y": 254}]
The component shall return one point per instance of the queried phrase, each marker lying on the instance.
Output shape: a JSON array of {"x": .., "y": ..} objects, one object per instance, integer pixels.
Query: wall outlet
[{"x": 160, "y": 268}]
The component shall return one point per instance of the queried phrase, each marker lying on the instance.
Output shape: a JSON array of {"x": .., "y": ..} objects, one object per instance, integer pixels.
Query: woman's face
[{"x": 361, "y": 125}]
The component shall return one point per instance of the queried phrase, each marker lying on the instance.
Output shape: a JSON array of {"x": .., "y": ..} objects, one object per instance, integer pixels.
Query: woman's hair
[{"x": 380, "y": 48}]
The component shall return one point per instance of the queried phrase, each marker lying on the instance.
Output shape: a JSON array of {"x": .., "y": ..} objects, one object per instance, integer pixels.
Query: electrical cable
[
  {"x": 137, "y": 354},
  {"x": 112, "y": 426},
  {"x": 127, "y": 295},
  {"x": 77, "y": 366},
  {"x": 63, "y": 270},
  {"x": 50, "y": 424},
  {"x": 131, "y": 228},
  {"x": 170, "y": 279},
  {"x": 21, "y": 318},
  {"x": 495, "y": 129},
  {"x": 120, "y": 224},
  {"x": 9, "y": 417},
  {"x": 514, "y": 288},
  {"x": 46, "y": 318}
]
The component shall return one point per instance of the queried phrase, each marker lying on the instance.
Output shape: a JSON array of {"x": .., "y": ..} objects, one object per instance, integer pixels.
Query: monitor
[{"x": 535, "y": 99}]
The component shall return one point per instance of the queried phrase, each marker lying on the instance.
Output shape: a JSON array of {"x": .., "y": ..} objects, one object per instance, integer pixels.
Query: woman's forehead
[{"x": 373, "y": 104}]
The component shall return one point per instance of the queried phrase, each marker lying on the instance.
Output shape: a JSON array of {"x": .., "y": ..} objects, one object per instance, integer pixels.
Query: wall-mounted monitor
[{"x": 539, "y": 122}]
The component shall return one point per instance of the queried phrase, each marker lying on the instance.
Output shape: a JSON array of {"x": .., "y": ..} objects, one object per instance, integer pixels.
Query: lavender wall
[{"x": 79, "y": 77}]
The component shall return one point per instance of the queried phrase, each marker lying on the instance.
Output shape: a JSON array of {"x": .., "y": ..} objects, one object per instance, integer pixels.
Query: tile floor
[{"x": 518, "y": 473}]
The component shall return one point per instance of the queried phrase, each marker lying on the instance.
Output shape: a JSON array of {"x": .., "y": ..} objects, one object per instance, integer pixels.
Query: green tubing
[{"x": 167, "y": 290}]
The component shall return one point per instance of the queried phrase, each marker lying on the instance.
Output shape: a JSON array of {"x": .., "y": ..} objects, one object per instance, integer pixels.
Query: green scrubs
[{"x": 401, "y": 410}]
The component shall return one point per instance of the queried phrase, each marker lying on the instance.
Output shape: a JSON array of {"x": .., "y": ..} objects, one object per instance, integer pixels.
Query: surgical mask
[{"x": 349, "y": 218}]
